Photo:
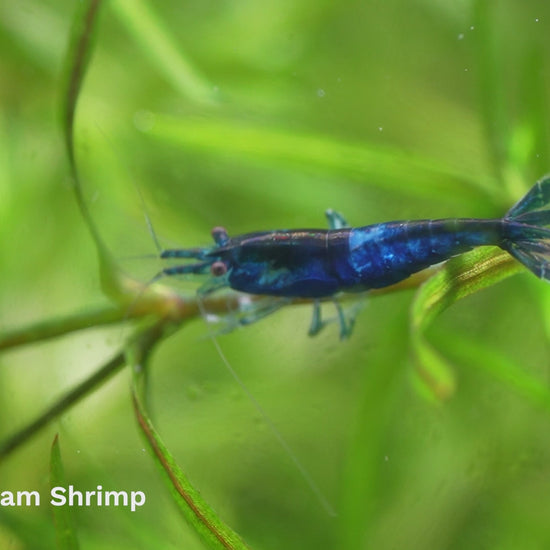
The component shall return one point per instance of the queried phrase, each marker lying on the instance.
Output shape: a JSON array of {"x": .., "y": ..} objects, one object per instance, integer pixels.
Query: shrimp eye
[
  {"x": 220, "y": 235},
  {"x": 218, "y": 269}
]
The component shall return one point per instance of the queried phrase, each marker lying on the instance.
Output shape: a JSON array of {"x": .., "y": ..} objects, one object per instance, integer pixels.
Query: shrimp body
[
  {"x": 320, "y": 263},
  {"x": 313, "y": 263}
]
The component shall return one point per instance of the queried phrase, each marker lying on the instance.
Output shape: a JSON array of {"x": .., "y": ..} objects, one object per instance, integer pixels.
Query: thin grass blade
[
  {"x": 65, "y": 402},
  {"x": 479, "y": 356},
  {"x": 114, "y": 283},
  {"x": 200, "y": 516},
  {"x": 64, "y": 526},
  {"x": 385, "y": 167},
  {"x": 26, "y": 530},
  {"x": 159, "y": 44},
  {"x": 490, "y": 84}
]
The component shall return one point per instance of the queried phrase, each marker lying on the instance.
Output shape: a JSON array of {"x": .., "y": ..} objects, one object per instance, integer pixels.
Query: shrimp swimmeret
[{"x": 320, "y": 263}]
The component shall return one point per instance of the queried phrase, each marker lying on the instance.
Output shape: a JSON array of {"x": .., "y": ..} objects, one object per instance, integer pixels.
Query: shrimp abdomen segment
[{"x": 384, "y": 254}]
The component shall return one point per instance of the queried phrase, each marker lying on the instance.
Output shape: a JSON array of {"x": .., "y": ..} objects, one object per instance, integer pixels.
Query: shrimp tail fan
[{"x": 526, "y": 228}]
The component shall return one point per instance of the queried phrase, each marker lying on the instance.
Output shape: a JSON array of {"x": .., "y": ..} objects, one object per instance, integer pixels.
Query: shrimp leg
[
  {"x": 346, "y": 325},
  {"x": 317, "y": 324},
  {"x": 335, "y": 219},
  {"x": 346, "y": 319}
]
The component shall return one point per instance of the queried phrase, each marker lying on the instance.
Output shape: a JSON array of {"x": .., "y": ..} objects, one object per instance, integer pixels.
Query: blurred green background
[{"x": 260, "y": 115}]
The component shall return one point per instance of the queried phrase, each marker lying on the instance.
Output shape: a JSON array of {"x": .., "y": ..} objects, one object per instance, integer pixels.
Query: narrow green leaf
[
  {"x": 378, "y": 166},
  {"x": 202, "y": 518},
  {"x": 62, "y": 404},
  {"x": 26, "y": 530},
  {"x": 433, "y": 375},
  {"x": 543, "y": 300},
  {"x": 197, "y": 512},
  {"x": 491, "y": 85},
  {"x": 481, "y": 357},
  {"x": 64, "y": 526},
  {"x": 380, "y": 389},
  {"x": 114, "y": 283},
  {"x": 458, "y": 278},
  {"x": 78, "y": 57},
  {"x": 534, "y": 157},
  {"x": 52, "y": 328},
  {"x": 160, "y": 45}
]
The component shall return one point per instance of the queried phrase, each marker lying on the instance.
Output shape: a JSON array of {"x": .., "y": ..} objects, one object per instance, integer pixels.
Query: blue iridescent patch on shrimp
[
  {"x": 386, "y": 253},
  {"x": 320, "y": 263}
]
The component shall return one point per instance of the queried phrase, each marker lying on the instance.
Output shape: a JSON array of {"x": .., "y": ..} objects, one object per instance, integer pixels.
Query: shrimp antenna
[
  {"x": 306, "y": 476},
  {"x": 148, "y": 219},
  {"x": 141, "y": 199}
]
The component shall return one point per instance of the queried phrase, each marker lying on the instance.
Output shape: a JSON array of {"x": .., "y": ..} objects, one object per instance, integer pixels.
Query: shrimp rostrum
[{"x": 318, "y": 264}]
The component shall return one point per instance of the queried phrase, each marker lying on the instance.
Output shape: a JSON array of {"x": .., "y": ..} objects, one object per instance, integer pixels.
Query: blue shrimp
[{"x": 319, "y": 263}]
